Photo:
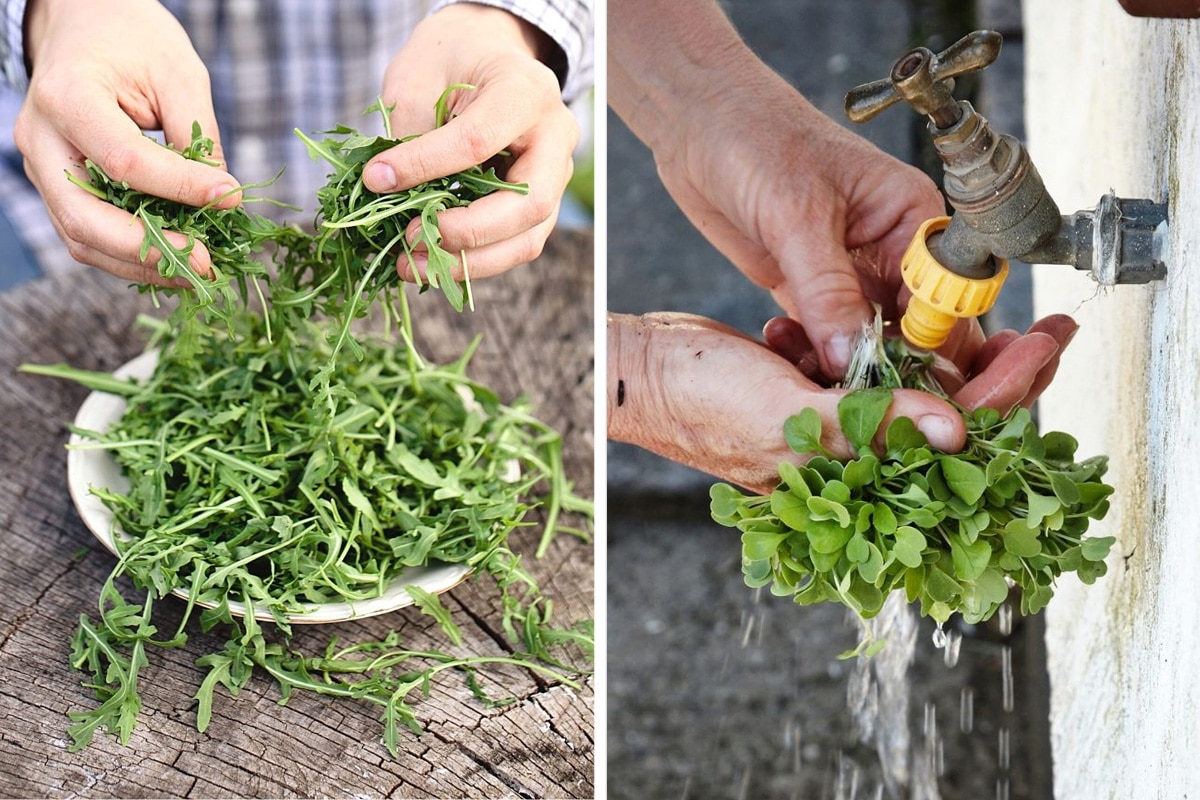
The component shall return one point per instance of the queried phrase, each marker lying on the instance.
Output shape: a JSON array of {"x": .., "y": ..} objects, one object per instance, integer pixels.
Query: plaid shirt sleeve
[
  {"x": 12, "y": 44},
  {"x": 569, "y": 23}
]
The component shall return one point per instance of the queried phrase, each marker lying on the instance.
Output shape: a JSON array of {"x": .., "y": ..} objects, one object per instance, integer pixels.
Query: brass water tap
[{"x": 956, "y": 265}]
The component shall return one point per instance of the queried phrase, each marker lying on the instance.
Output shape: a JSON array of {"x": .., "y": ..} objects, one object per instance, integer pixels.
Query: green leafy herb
[
  {"x": 362, "y": 234},
  {"x": 951, "y": 531},
  {"x": 271, "y": 467},
  {"x": 231, "y": 236}
]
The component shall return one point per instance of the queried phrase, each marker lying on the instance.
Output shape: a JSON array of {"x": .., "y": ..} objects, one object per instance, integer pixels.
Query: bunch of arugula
[
  {"x": 232, "y": 237},
  {"x": 951, "y": 531},
  {"x": 272, "y": 468},
  {"x": 351, "y": 261},
  {"x": 360, "y": 234}
]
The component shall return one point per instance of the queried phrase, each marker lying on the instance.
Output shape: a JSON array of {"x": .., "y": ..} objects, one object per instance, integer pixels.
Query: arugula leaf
[
  {"x": 803, "y": 432},
  {"x": 860, "y": 414},
  {"x": 431, "y": 605}
]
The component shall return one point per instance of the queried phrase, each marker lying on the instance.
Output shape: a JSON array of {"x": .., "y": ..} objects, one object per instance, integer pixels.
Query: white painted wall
[{"x": 1114, "y": 102}]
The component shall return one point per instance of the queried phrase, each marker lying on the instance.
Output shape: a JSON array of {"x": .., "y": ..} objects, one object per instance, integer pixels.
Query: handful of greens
[
  {"x": 232, "y": 237},
  {"x": 951, "y": 531}
]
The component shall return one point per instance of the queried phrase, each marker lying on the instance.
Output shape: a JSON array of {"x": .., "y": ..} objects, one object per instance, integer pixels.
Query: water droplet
[
  {"x": 744, "y": 789},
  {"x": 939, "y": 636},
  {"x": 1004, "y": 749},
  {"x": 966, "y": 710},
  {"x": 847, "y": 781},
  {"x": 953, "y": 645},
  {"x": 1006, "y": 676},
  {"x": 747, "y": 629},
  {"x": 1002, "y": 789},
  {"x": 929, "y": 727}
]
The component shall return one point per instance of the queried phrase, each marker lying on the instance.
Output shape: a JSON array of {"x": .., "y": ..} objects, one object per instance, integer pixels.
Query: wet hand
[
  {"x": 1008, "y": 370},
  {"x": 700, "y": 393},
  {"x": 811, "y": 212}
]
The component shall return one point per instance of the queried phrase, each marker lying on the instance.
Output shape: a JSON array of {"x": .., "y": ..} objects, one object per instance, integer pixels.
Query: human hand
[
  {"x": 804, "y": 208},
  {"x": 823, "y": 228},
  {"x": 98, "y": 80},
  {"x": 516, "y": 106},
  {"x": 705, "y": 395},
  {"x": 1007, "y": 371}
]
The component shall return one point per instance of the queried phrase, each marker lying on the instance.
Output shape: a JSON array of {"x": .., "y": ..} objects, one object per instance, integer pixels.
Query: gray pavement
[{"x": 712, "y": 693}]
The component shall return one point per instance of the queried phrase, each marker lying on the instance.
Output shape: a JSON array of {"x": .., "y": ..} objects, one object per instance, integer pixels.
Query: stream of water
[{"x": 910, "y": 767}]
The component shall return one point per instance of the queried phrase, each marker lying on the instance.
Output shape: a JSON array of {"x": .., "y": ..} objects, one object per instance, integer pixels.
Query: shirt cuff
[
  {"x": 568, "y": 23},
  {"x": 12, "y": 44}
]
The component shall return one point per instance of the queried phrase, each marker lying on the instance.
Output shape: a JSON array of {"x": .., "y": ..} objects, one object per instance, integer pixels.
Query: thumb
[
  {"x": 822, "y": 291},
  {"x": 702, "y": 394}
]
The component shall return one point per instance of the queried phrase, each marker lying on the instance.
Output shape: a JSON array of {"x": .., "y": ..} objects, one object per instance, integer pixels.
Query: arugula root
[
  {"x": 951, "y": 531},
  {"x": 276, "y": 461}
]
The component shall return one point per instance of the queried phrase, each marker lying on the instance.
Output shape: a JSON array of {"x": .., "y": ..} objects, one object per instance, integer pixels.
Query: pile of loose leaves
[
  {"x": 270, "y": 466},
  {"x": 951, "y": 531}
]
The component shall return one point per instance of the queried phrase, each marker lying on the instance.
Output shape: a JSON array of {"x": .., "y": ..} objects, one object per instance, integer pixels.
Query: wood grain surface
[{"x": 538, "y": 341}]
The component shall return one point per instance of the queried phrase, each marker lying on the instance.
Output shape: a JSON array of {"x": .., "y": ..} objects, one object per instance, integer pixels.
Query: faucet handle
[{"x": 926, "y": 80}]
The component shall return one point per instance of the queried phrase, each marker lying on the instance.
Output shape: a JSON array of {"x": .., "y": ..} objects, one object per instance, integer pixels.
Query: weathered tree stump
[{"x": 537, "y": 327}]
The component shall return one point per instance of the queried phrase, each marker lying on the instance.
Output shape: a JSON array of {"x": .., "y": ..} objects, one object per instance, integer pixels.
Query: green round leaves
[{"x": 951, "y": 531}]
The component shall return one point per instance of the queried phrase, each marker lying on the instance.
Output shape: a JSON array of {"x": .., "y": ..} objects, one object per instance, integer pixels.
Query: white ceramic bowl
[{"x": 88, "y": 468}]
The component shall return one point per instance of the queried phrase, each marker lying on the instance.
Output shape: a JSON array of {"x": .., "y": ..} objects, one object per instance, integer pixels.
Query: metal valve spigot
[{"x": 1002, "y": 208}]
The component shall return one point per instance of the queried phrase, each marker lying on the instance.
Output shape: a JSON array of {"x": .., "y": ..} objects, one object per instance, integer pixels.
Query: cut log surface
[{"x": 537, "y": 331}]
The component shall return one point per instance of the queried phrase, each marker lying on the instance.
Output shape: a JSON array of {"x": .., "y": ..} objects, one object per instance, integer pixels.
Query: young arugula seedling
[{"x": 951, "y": 531}]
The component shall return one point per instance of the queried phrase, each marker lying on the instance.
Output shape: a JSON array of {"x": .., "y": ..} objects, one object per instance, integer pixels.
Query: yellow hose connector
[{"x": 941, "y": 297}]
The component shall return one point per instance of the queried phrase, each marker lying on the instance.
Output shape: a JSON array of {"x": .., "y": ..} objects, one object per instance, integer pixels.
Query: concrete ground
[{"x": 712, "y": 693}]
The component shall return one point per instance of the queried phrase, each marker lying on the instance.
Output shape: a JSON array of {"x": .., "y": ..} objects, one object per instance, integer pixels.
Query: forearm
[
  {"x": 674, "y": 65},
  {"x": 666, "y": 55}
]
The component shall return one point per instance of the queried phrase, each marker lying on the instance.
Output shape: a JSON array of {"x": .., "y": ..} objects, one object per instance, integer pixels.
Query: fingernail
[
  {"x": 223, "y": 192},
  {"x": 413, "y": 235},
  {"x": 938, "y": 430},
  {"x": 380, "y": 177},
  {"x": 837, "y": 353},
  {"x": 410, "y": 268}
]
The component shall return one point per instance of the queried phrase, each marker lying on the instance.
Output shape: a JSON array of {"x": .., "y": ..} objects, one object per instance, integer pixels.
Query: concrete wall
[{"x": 1114, "y": 101}]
